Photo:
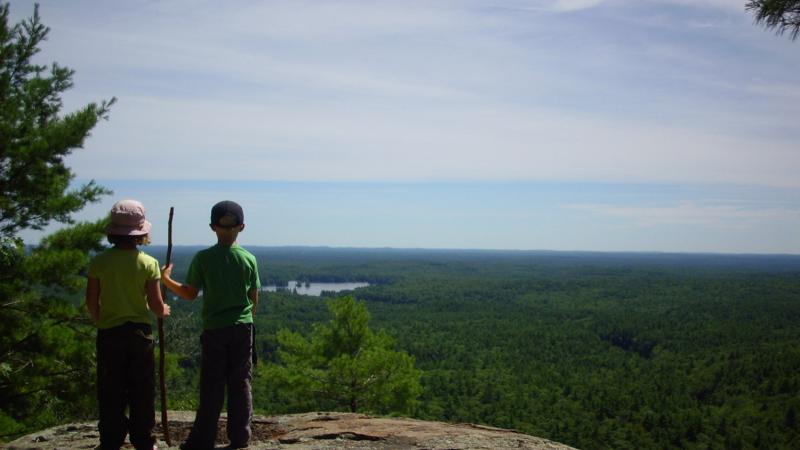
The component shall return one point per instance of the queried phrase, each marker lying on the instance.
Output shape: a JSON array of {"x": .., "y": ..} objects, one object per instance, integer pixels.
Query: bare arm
[
  {"x": 154, "y": 300},
  {"x": 183, "y": 291},
  {"x": 93, "y": 299},
  {"x": 253, "y": 295}
]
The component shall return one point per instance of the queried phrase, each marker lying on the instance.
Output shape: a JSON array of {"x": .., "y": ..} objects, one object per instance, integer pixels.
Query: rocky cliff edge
[{"x": 317, "y": 431}]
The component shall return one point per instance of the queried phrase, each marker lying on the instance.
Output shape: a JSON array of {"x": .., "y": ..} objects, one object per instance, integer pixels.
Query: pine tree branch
[{"x": 32, "y": 335}]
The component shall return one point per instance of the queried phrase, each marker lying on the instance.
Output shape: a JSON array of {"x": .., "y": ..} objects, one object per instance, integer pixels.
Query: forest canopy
[{"x": 593, "y": 350}]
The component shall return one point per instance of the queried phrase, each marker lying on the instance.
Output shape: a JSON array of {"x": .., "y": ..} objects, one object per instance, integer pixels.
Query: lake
[{"x": 315, "y": 289}]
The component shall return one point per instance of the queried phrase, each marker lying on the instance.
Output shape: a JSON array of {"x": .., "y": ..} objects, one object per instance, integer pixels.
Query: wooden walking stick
[{"x": 161, "y": 344}]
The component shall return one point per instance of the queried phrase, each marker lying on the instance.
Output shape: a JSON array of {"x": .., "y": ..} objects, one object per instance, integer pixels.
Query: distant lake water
[{"x": 316, "y": 289}]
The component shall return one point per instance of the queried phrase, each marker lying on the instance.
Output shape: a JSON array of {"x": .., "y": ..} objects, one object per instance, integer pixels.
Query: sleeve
[
  {"x": 194, "y": 277},
  {"x": 153, "y": 270},
  {"x": 255, "y": 282},
  {"x": 94, "y": 268}
]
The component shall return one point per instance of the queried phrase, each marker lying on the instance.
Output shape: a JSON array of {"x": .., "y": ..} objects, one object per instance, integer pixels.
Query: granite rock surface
[{"x": 314, "y": 431}]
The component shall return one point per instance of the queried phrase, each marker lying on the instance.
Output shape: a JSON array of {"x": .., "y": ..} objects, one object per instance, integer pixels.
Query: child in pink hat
[{"x": 122, "y": 294}]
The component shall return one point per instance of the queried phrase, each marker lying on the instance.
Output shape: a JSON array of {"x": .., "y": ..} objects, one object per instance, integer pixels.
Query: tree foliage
[
  {"x": 592, "y": 350},
  {"x": 344, "y": 365},
  {"x": 46, "y": 347},
  {"x": 779, "y": 15},
  {"x": 645, "y": 351},
  {"x": 34, "y": 138}
]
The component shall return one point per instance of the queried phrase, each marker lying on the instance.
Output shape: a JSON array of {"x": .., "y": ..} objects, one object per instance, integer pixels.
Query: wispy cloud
[
  {"x": 691, "y": 213},
  {"x": 575, "y": 5},
  {"x": 341, "y": 141},
  {"x": 724, "y": 5},
  {"x": 776, "y": 90},
  {"x": 634, "y": 92}
]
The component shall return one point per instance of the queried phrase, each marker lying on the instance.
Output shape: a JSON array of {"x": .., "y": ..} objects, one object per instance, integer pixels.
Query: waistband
[{"x": 126, "y": 327}]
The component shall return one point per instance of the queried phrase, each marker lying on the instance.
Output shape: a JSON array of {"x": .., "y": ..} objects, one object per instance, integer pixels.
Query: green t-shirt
[
  {"x": 122, "y": 275},
  {"x": 225, "y": 274}
]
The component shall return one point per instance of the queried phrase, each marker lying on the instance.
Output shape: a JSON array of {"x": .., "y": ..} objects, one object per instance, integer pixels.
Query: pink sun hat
[{"x": 127, "y": 219}]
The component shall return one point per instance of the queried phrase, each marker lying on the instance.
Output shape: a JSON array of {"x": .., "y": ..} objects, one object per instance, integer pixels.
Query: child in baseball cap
[{"x": 228, "y": 276}]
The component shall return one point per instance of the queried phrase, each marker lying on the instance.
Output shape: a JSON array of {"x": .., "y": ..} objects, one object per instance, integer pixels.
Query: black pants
[
  {"x": 125, "y": 378},
  {"x": 226, "y": 364}
]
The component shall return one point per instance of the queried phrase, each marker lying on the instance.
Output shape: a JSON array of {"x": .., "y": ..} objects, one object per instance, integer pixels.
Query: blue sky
[{"x": 647, "y": 125}]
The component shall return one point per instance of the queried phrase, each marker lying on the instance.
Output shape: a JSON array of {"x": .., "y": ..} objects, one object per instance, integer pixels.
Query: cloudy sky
[{"x": 620, "y": 125}]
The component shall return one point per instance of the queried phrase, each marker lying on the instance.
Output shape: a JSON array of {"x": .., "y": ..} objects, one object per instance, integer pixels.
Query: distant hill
[{"x": 750, "y": 262}]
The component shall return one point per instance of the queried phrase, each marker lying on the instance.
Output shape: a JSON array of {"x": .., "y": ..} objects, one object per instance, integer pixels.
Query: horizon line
[{"x": 496, "y": 250}]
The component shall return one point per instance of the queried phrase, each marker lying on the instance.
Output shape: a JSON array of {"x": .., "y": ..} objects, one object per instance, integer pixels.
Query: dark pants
[
  {"x": 226, "y": 363},
  {"x": 125, "y": 378}
]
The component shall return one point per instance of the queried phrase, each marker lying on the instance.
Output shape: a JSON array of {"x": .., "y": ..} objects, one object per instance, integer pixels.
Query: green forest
[{"x": 595, "y": 350}]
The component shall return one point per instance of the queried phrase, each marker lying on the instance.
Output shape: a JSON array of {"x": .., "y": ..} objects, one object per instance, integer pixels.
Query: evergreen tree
[
  {"x": 344, "y": 365},
  {"x": 46, "y": 346},
  {"x": 780, "y": 15}
]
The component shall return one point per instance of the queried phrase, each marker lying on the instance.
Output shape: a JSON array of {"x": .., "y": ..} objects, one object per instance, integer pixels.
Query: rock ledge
[{"x": 315, "y": 431}]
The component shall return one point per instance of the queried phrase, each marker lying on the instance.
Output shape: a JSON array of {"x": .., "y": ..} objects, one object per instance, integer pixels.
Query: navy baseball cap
[{"x": 227, "y": 214}]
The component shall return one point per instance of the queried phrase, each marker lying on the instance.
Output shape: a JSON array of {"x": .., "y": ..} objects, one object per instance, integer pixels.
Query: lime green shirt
[
  {"x": 225, "y": 274},
  {"x": 122, "y": 275}
]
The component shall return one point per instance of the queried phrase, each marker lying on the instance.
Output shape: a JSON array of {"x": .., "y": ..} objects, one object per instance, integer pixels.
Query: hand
[
  {"x": 165, "y": 310},
  {"x": 166, "y": 271}
]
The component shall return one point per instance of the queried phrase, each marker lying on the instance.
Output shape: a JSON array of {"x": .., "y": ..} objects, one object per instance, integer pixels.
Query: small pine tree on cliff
[
  {"x": 345, "y": 366},
  {"x": 46, "y": 346}
]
